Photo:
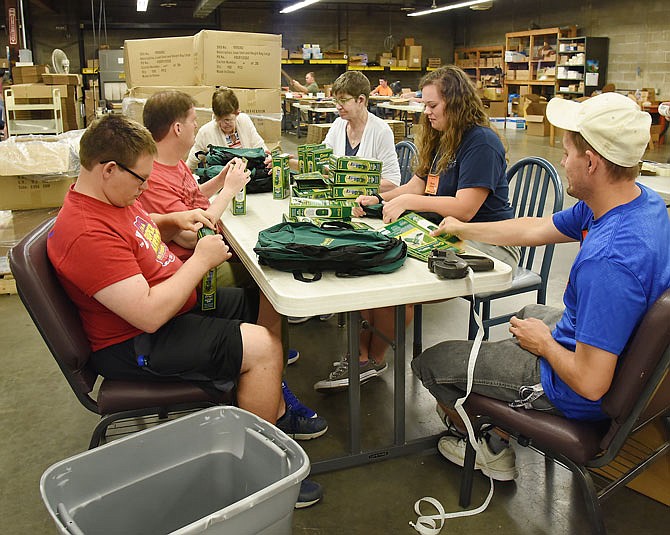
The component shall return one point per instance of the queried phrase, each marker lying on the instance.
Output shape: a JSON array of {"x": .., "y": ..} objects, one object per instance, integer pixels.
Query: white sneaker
[{"x": 501, "y": 466}]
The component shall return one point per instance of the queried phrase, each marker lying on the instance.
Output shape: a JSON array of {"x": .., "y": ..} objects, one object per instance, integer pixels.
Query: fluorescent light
[
  {"x": 299, "y": 5},
  {"x": 447, "y": 8},
  {"x": 142, "y": 5}
]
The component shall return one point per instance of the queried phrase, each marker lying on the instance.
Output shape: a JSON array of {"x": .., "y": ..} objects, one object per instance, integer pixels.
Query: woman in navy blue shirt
[{"x": 460, "y": 172}]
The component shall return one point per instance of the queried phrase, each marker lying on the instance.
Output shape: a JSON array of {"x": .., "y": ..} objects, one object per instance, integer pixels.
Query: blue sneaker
[
  {"x": 293, "y": 403},
  {"x": 310, "y": 493},
  {"x": 301, "y": 428},
  {"x": 293, "y": 356}
]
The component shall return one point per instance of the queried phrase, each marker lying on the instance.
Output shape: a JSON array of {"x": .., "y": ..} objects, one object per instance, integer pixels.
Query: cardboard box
[
  {"x": 92, "y": 63},
  {"x": 30, "y": 74},
  {"x": 414, "y": 56},
  {"x": 493, "y": 93},
  {"x": 25, "y": 193},
  {"x": 61, "y": 79},
  {"x": 497, "y": 109},
  {"x": 537, "y": 125},
  {"x": 407, "y": 41},
  {"x": 164, "y": 61},
  {"x": 522, "y": 74},
  {"x": 284, "y": 53},
  {"x": 402, "y": 63},
  {"x": 238, "y": 59}
]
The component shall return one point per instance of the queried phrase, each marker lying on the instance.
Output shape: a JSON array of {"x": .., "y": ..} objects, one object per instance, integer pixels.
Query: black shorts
[{"x": 198, "y": 345}]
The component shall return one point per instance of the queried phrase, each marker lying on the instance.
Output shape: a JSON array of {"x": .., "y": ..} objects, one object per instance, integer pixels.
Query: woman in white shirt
[
  {"x": 357, "y": 132},
  {"x": 228, "y": 128}
]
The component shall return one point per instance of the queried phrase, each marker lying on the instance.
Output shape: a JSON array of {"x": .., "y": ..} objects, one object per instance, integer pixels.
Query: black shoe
[{"x": 310, "y": 493}]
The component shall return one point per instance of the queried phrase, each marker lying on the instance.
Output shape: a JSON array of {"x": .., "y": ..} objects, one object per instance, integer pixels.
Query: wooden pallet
[{"x": 7, "y": 284}]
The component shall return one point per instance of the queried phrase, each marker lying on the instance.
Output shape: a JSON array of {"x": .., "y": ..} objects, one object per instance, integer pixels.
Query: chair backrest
[
  {"x": 641, "y": 375},
  {"x": 530, "y": 180},
  {"x": 52, "y": 311},
  {"x": 406, "y": 152}
]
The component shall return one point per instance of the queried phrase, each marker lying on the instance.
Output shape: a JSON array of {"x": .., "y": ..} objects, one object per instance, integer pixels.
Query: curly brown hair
[{"x": 463, "y": 108}]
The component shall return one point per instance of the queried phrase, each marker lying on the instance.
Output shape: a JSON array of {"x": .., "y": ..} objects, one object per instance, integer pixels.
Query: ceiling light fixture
[
  {"x": 435, "y": 9},
  {"x": 142, "y": 5},
  {"x": 299, "y": 5}
]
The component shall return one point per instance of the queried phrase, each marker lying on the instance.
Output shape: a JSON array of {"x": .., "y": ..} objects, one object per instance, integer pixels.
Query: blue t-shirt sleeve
[
  {"x": 610, "y": 304},
  {"x": 572, "y": 221},
  {"x": 480, "y": 167}
]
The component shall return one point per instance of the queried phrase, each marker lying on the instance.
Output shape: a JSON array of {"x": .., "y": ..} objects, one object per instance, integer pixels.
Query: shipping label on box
[
  {"x": 168, "y": 61},
  {"x": 238, "y": 59},
  {"x": 25, "y": 193}
]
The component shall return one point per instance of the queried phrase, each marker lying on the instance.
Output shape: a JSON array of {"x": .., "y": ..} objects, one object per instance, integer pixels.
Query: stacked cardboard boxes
[{"x": 249, "y": 63}]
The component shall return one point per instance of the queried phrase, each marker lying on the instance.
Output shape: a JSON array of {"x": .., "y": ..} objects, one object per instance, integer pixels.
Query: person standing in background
[{"x": 310, "y": 84}]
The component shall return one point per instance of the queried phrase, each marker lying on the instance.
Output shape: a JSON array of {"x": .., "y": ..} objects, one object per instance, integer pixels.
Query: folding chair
[
  {"x": 640, "y": 393},
  {"x": 57, "y": 319}
]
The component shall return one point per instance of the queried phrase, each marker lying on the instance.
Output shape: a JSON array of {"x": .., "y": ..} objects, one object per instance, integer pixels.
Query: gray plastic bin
[{"x": 220, "y": 470}]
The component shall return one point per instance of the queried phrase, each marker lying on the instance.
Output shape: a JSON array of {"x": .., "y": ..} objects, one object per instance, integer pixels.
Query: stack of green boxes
[
  {"x": 350, "y": 176},
  {"x": 327, "y": 186},
  {"x": 313, "y": 157}
]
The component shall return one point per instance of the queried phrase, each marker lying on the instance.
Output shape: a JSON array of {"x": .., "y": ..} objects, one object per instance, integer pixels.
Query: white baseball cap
[{"x": 611, "y": 123}]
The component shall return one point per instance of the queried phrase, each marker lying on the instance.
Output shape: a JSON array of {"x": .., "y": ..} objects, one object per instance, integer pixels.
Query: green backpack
[{"x": 305, "y": 248}]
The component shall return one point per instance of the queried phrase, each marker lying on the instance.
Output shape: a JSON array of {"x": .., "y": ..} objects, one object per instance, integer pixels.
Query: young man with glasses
[
  {"x": 136, "y": 298},
  {"x": 228, "y": 128}
]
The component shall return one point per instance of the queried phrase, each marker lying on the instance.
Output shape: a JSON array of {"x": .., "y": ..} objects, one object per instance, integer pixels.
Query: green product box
[
  {"x": 312, "y": 193},
  {"x": 348, "y": 177},
  {"x": 353, "y": 163},
  {"x": 303, "y": 155},
  {"x": 320, "y": 208},
  {"x": 351, "y": 191},
  {"x": 317, "y": 158},
  {"x": 238, "y": 204},
  {"x": 281, "y": 176}
]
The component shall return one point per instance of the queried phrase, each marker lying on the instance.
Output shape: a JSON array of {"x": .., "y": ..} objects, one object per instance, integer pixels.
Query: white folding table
[{"x": 412, "y": 283}]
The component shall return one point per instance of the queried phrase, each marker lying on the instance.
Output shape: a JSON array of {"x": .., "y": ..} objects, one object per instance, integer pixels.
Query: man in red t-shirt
[
  {"x": 171, "y": 119},
  {"x": 136, "y": 298}
]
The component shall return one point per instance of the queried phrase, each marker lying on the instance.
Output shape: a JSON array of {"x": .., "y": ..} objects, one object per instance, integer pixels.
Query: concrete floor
[{"x": 41, "y": 422}]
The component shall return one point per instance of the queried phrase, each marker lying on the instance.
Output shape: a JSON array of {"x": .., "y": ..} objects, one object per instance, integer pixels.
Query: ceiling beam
[
  {"x": 205, "y": 7},
  {"x": 50, "y": 5}
]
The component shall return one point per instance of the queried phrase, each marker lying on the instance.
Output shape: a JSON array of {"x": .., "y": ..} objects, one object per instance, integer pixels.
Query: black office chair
[
  {"x": 639, "y": 394},
  {"x": 531, "y": 181},
  {"x": 57, "y": 320},
  {"x": 406, "y": 152}
]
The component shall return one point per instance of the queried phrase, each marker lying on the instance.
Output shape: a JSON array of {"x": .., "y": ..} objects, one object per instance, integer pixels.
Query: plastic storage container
[{"x": 220, "y": 470}]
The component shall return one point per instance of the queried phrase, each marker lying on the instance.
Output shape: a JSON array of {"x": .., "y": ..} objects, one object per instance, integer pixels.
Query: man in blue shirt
[{"x": 564, "y": 361}]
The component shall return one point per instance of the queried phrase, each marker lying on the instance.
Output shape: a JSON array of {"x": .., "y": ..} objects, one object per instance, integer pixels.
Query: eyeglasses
[
  {"x": 343, "y": 101},
  {"x": 138, "y": 177}
]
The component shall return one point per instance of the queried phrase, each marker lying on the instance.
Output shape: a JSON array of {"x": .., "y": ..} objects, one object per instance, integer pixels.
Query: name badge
[{"x": 432, "y": 182}]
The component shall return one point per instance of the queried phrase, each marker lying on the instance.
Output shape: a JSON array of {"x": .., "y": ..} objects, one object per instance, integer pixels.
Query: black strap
[{"x": 298, "y": 275}]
